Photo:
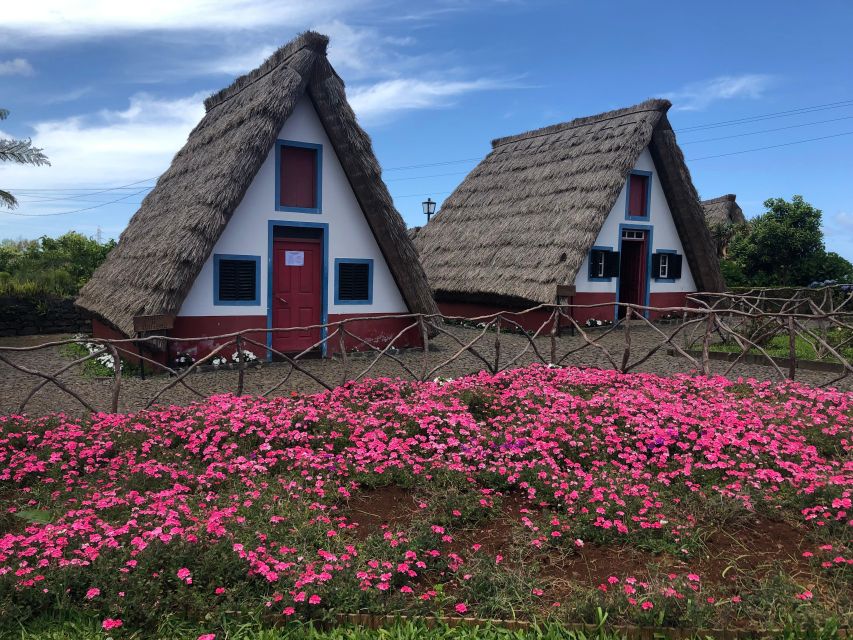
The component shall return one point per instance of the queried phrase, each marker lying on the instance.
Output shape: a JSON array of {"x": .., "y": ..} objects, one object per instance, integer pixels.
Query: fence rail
[{"x": 757, "y": 327}]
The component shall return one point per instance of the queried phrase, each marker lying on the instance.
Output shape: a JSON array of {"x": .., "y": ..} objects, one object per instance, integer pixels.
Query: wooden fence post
[
  {"x": 626, "y": 355},
  {"x": 792, "y": 348},
  {"x": 497, "y": 345},
  {"x": 706, "y": 343},
  {"x": 342, "y": 345},
  {"x": 240, "y": 373},
  {"x": 116, "y": 378},
  {"x": 554, "y": 337},
  {"x": 425, "y": 339}
]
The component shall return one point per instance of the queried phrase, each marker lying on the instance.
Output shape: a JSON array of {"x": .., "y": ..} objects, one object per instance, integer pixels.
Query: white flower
[
  {"x": 248, "y": 356},
  {"x": 218, "y": 361}
]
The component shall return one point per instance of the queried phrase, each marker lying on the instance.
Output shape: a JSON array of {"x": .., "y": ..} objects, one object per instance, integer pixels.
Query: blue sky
[{"x": 110, "y": 92}]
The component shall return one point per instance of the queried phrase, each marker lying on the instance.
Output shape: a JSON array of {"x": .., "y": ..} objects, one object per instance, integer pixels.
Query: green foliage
[
  {"x": 50, "y": 265},
  {"x": 783, "y": 247},
  {"x": 231, "y": 629},
  {"x": 21, "y": 152}
]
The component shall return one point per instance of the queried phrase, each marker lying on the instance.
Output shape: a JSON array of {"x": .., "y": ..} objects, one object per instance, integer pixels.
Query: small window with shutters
[
  {"x": 603, "y": 263},
  {"x": 299, "y": 176},
  {"x": 353, "y": 281},
  {"x": 236, "y": 280},
  {"x": 666, "y": 266},
  {"x": 639, "y": 195}
]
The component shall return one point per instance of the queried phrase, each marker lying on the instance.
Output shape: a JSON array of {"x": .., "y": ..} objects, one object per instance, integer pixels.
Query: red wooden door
[
  {"x": 632, "y": 272},
  {"x": 296, "y": 292}
]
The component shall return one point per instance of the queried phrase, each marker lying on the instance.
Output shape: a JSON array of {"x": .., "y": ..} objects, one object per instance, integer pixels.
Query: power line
[
  {"x": 724, "y": 123},
  {"x": 772, "y": 146},
  {"x": 65, "y": 213},
  {"x": 755, "y": 133},
  {"x": 434, "y": 175},
  {"x": 432, "y": 164},
  {"x": 768, "y": 116},
  {"x": 35, "y": 192}
]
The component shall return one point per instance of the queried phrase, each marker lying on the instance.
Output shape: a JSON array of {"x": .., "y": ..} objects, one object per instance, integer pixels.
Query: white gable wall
[
  {"x": 349, "y": 233},
  {"x": 664, "y": 236}
]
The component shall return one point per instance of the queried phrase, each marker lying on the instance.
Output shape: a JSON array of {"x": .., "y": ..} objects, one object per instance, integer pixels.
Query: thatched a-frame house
[
  {"x": 722, "y": 215},
  {"x": 273, "y": 214},
  {"x": 598, "y": 210},
  {"x": 723, "y": 210}
]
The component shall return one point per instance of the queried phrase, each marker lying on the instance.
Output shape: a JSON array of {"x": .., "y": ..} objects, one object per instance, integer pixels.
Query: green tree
[
  {"x": 783, "y": 247},
  {"x": 20, "y": 151},
  {"x": 59, "y": 265}
]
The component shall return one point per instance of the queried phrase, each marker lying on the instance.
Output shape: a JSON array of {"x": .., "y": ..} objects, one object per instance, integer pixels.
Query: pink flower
[
  {"x": 314, "y": 599},
  {"x": 693, "y": 577},
  {"x": 805, "y": 595},
  {"x": 461, "y": 607},
  {"x": 646, "y": 605},
  {"x": 111, "y": 623},
  {"x": 219, "y": 591},
  {"x": 207, "y": 636},
  {"x": 94, "y": 592},
  {"x": 289, "y": 611}
]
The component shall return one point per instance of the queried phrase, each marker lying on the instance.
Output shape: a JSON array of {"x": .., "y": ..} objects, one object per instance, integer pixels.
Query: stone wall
[{"x": 42, "y": 314}]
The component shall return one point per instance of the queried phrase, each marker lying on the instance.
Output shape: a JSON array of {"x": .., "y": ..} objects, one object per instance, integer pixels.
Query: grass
[
  {"x": 779, "y": 347},
  {"x": 89, "y": 629}
]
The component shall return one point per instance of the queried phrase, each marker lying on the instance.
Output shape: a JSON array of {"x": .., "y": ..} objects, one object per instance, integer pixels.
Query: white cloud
[
  {"x": 237, "y": 63},
  {"x": 25, "y": 21},
  {"x": 363, "y": 51},
  {"x": 696, "y": 96},
  {"x": 377, "y": 101},
  {"x": 16, "y": 67},
  {"x": 108, "y": 147}
]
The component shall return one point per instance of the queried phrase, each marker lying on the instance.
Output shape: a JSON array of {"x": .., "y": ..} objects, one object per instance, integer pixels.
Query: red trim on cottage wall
[
  {"x": 377, "y": 332},
  {"x": 532, "y": 320}
]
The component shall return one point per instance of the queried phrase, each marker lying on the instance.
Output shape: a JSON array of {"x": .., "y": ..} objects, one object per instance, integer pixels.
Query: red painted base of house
[
  {"x": 533, "y": 320},
  {"x": 375, "y": 332}
]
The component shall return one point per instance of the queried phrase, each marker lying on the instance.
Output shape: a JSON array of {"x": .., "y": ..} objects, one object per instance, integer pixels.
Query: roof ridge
[
  {"x": 730, "y": 197},
  {"x": 306, "y": 40},
  {"x": 654, "y": 104}
]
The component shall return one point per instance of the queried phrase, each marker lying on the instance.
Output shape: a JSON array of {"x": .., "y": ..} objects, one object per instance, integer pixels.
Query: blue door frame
[
  {"x": 324, "y": 307},
  {"x": 636, "y": 227}
]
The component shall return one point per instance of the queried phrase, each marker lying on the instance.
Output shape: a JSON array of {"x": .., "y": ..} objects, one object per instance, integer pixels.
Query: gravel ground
[{"x": 136, "y": 393}]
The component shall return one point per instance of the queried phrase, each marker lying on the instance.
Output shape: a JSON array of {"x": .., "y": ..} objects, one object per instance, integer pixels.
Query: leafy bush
[{"x": 60, "y": 266}]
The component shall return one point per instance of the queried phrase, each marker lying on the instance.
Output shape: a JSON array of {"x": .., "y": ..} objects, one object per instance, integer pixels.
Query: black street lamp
[{"x": 429, "y": 208}]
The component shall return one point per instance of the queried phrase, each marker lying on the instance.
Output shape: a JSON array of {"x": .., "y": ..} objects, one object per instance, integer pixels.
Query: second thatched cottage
[
  {"x": 594, "y": 211},
  {"x": 273, "y": 215},
  {"x": 723, "y": 216}
]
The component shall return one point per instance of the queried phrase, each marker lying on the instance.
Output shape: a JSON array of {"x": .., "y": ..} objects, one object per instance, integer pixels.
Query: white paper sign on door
[{"x": 294, "y": 258}]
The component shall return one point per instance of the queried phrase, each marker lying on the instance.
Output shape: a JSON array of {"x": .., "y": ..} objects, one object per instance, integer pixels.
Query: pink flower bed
[{"x": 249, "y": 504}]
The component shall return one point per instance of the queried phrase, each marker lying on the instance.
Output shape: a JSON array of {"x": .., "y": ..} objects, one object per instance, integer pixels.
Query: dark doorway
[{"x": 633, "y": 264}]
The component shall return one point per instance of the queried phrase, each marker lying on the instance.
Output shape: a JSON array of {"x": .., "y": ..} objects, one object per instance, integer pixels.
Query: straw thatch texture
[
  {"x": 723, "y": 210},
  {"x": 523, "y": 220},
  {"x": 167, "y": 241}
]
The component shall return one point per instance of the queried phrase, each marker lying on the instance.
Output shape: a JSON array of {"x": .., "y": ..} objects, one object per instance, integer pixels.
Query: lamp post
[{"x": 429, "y": 208}]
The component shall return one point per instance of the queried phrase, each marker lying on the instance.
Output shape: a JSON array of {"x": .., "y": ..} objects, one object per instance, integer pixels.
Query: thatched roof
[
  {"x": 413, "y": 232},
  {"x": 723, "y": 210},
  {"x": 170, "y": 237},
  {"x": 523, "y": 220}
]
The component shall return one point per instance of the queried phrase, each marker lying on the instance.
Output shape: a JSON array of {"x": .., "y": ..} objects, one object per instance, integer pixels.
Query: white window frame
[
  {"x": 598, "y": 264},
  {"x": 663, "y": 266}
]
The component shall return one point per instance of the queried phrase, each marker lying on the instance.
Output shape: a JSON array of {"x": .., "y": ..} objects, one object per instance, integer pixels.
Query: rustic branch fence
[{"x": 745, "y": 324}]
